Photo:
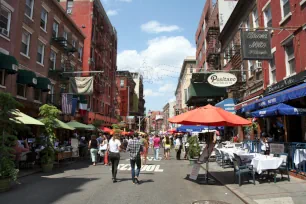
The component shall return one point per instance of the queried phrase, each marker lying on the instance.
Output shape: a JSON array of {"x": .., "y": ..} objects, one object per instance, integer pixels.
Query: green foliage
[
  {"x": 8, "y": 127},
  {"x": 194, "y": 147},
  {"x": 49, "y": 114},
  {"x": 97, "y": 123},
  {"x": 116, "y": 126}
]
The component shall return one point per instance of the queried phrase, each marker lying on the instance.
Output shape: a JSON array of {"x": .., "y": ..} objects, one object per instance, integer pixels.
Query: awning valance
[
  {"x": 78, "y": 125},
  {"x": 193, "y": 128},
  {"x": 228, "y": 105},
  {"x": 43, "y": 83},
  {"x": 26, "y": 77},
  {"x": 9, "y": 63},
  {"x": 25, "y": 119},
  {"x": 278, "y": 110},
  {"x": 279, "y": 97}
]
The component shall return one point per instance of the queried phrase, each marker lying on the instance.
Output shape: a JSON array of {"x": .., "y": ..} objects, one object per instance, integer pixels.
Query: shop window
[
  {"x": 290, "y": 58},
  {"x": 255, "y": 18},
  {"x": 21, "y": 90},
  {"x": 37, "y": 94},
  {"x": 29, "y": 8},
  {"x": 2, "y": 77},
  {"x": 5, "y": 21},
  {"x": 55, "y": 29},
  {"x": 285, "y": 7},
  {"x": 52, "y": 60},
  {"x": 25, "y": 43},
  {"x": 43, "y": 19},
  {"x": 40, "y": 53},
  {"x": 122, "y": 83}
]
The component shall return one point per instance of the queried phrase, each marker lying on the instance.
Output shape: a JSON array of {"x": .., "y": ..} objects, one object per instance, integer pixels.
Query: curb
[{"x": 241, "y": 196}]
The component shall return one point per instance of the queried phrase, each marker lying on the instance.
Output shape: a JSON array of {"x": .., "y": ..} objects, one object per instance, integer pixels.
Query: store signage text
[
  {"x": 222, "y": 79},
  {"x": 256, "y": 45}
]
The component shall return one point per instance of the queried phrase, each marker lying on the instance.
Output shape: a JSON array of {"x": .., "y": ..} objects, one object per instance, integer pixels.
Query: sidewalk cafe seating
[
  {"x": 225, "y": 159},
  {"x": 218, "y": 156},
  {"x": 284, "y": 167},
  {"x": 30, "y": 160},
  {"x": 240, "y": 169}
]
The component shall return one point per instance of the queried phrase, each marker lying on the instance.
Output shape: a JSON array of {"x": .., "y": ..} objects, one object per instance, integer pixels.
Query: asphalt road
[{"x": 81, "y": 183}]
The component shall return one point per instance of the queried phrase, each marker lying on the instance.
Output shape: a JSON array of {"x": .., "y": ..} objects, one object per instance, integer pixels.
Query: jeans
[
  {"x": 94, "y": 155},
  {"x": 156, "y": 153},
  {"x": 178, "y": 153},
  {"x": 114, "y": 158},
  {"x": 136, "y": 161}
]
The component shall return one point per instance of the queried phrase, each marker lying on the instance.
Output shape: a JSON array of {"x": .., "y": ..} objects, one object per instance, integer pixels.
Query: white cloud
[
  {"x": 151, "y": 93},
  {"x": 156, "y": 27},
  {"x": 112, "y": 12},
  {"x": 167, "y": 88}
]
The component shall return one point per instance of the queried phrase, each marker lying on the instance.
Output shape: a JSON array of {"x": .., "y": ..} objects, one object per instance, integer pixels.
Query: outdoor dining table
[
  {"x": 245, "y": 156},
  {"x": 263, "y": 163}
]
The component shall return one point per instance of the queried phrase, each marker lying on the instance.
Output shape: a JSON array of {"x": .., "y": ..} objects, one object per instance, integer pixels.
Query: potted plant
[
  {"x": 49, "y": 113},
  {"x": 194, "y": 149},
  {"x": 8, "y": 126}
]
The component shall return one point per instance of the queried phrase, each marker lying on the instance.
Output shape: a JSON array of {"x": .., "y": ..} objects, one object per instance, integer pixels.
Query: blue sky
[{"x": 154, "y": 37}]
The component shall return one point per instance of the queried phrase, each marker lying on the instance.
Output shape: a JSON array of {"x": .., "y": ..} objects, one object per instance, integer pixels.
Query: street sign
[
  {"x": 222, "y": 79},
  {"x": 256, "y": 45}
]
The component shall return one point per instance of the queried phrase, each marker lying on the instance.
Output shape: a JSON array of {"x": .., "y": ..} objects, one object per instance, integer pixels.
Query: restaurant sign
[
  {"x": 222, "y": 79},
  {"x": 256, "y": 45},
  {"x": 286, "y": 83}
]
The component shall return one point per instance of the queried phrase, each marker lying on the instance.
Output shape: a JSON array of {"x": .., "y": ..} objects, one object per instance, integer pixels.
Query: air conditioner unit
[
  {"x": 69, "y": 11},
  {"x": 4, "y": 32}
]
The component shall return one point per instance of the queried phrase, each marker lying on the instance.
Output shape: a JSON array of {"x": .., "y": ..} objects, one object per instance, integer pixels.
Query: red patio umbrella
[
  {"x": 105, "y": 129},
  {"x": 210, "y": 116}
]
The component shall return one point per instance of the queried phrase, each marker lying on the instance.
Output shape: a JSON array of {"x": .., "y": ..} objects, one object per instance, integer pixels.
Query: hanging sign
[
  {"x": 256, "y": 45},
  {"x": 222, "y": 79}
]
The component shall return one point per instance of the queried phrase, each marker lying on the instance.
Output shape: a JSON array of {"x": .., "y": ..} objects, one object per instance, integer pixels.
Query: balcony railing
[{"x": 62, "y": 42}]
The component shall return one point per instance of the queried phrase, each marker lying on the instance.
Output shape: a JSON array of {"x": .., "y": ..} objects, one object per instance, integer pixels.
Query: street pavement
[{"x": 162, "y": 182}]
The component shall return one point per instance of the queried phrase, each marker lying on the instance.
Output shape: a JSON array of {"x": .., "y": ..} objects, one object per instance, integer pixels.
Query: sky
[{"x": 154, "y": 37}]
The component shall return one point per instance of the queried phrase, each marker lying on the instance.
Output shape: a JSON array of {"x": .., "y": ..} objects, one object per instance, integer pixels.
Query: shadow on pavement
[{"x": 201, "y": 180}]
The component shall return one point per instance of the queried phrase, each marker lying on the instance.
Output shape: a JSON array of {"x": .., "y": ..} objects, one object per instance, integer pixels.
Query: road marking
[{"x": 147, "y": 168}]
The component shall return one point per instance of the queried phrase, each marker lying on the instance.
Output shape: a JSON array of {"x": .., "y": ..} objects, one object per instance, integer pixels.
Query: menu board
[
  {"x": 195, "y": 171},
  {"x": 277, "y": 148}
]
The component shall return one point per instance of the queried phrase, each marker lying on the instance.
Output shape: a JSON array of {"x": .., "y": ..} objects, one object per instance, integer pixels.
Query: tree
[{"x": 8, "y": 130}]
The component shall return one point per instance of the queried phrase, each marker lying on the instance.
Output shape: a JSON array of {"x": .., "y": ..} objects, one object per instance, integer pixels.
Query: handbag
[{"x": 104, "y": 147}]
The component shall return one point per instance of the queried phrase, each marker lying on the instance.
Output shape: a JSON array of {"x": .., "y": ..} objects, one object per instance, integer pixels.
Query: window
[
  {"x": 191, "y": 68},
  {"x": 290, "y": 59},
  {"x": 272, "y": 70},
  {"x": 52, "y": 60},
  {"x": 5, "y": 21},
  {"x": 43, "y": 19},
  {"x": 37, "y": 94},
  {"x": 69, "y": 6},
  {"x": 21, "y": 90},
  {"x": 2, "y": 77},
  {"x": 121, "y": 83},
  {"x": 80, "y": 53},
  {"x": 251, "y": 68},
  {"x": 40, "y": 52},
  {"x": 51, "y": 93},
  {"x": 55, "y": 29},
  {"x": 268, "y": 17},
  {"x": 73, "y": 43},
  {"x": 29, "y": 8},
  {"x": 65, "y": 35},
  {"x": 255, "y": 18},
  {"x": 186, "y": 95},
  {"x": 25, "y": 43},
  {"x": 285, "y": 7}
]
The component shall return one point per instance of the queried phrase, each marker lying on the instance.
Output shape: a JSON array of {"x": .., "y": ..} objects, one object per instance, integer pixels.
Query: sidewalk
[{"x": 281, "y": 192}]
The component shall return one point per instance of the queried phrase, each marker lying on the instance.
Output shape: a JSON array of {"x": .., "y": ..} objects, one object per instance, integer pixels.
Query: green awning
[
  {"x": 91, "y": 127},
  {"x": 9, "y": 63},
  {"x": 43, "y": 83},
  {"x": 60, "y": 124},
  {"x": 25, "y": 119},
  {"x": 26, "y": 77},
  {"x": 78, "y": 125}
]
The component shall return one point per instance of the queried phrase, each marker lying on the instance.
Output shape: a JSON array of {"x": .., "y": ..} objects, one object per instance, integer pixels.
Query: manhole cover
[{"x": 209, "y": 202}]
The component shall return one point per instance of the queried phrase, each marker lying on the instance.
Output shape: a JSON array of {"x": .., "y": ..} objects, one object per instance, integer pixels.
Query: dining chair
[
  {"x": 284, "y": 166},
  {"x": 225, "y": 159},
  {"x": 241, "y": 170},
  {"x": 218, "y": 156}
]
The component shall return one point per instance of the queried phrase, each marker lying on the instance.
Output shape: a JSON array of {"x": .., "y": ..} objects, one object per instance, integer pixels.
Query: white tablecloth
[
  {"x": 299, "y": 156},
  {"x": 263, "y": 162},
  {"x": 241, "y": 153}
]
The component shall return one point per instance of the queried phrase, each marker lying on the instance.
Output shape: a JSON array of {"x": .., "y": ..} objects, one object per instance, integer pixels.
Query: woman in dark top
[{"x": 93, "y": 146}]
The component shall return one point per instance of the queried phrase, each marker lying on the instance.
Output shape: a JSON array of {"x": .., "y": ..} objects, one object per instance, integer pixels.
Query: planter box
[
  {"x": 5, "y": 184},
  {"x": 63, "y": 155}
]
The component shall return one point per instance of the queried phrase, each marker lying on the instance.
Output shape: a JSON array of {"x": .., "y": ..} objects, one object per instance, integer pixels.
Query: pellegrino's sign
[
  {"x": 256, "y": 45},
  {"x": 222, "y": 79}
]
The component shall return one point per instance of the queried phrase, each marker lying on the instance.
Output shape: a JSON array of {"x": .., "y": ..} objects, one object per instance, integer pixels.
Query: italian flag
[{"x": 83, "y": 107}]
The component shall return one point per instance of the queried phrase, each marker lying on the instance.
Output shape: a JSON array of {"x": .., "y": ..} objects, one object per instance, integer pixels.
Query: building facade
[
  {"x": 138, "y": 79},
  {"x": 181, "y": 93},
  {"x": 166, "y": 113},
  {"x": 38, "y": 42},
  {"x": 100, "y": 54}
]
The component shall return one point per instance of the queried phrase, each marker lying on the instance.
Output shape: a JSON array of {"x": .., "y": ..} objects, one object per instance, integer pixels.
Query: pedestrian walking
[
  {"x": 135, "y": 148},
  {"x": 102, "y": 149},
  {"x": 167, "y": 145},
  {"x": 156, "y": 145},
  {"x": 93, "y": 146},
  {"x": 114, "y": 155},
  {"x": 145, "y": 149},
  {"x": 178, "y": 147}
]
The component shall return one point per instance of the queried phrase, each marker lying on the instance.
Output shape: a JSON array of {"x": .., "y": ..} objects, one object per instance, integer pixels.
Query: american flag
[{"x": 66, "y": 103}]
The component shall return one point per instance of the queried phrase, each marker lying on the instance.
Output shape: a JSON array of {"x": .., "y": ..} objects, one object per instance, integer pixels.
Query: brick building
[
  {"x": 42, "y": 40},
  {"x": 100, "y": 54}
]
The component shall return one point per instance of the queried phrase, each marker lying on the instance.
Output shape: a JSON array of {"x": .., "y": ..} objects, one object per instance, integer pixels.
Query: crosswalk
[{"x": 144, "y": 168}]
